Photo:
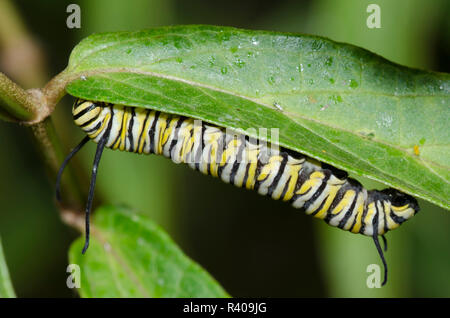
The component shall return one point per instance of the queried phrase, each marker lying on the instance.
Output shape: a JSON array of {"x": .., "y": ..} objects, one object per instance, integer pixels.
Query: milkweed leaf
[
  {"x": 332, "y": 101},
  {"x": 130, "y": 256}
]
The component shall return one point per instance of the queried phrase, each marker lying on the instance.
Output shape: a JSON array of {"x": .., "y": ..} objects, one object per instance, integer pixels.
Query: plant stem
[
  {"x": 21, "y": 56},
  {"x": 55, "y": 89},
  {"x": 24, "y": 61},
  {"x": 16, "y": 102},
  {"x": 6, "y": 288},
  {"x": 48, "y": 142}
]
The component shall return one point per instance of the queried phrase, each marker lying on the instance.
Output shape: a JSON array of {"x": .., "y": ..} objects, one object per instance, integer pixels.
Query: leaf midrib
[
  {"x": 103, "y": 72},
  {"x": 120, "y": 260},
  {"x": 302, "y": 90}
]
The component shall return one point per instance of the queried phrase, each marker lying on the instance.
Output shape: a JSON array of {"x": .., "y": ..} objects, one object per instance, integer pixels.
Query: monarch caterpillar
[{"x": 322, "y": 190}]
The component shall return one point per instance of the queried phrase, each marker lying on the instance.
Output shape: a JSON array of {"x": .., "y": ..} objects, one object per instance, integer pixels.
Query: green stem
[
  {"x": 11, "y": 26},
  {"x": 34, "y": 106},
  {"x": 15, "y": 102},
  {"x": 48, "y": 142},
  {"x": 6, "y": 288}
]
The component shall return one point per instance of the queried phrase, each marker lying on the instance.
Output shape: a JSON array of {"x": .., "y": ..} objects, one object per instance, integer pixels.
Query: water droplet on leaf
[
  {"x": 239, "y": 63},
  {"x": 353, "y": 83},
  {"x": 277, "y": 106}
]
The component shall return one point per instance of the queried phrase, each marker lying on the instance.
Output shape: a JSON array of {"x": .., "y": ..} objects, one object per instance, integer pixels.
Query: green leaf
[
  {"x": 332, "y": 101},
  {"x": 130, "y": 256},
  {"x": 6, "y": 288}
]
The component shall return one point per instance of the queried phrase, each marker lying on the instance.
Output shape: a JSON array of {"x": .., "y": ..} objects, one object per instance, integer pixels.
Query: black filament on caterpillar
[{"x": 322, "y": 190}]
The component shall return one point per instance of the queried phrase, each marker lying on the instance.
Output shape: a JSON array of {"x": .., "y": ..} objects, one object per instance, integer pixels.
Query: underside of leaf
[{"x": 331, "y": 101}]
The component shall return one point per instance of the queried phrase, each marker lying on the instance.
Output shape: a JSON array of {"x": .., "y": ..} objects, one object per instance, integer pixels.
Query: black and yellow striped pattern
[{"x": 323, "y": 191}]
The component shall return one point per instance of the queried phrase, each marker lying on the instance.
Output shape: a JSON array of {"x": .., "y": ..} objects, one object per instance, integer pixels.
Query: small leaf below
[{"x": 130, "y": 256}]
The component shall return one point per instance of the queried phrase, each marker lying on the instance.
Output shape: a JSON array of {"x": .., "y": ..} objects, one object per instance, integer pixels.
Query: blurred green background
[{"x": 260, "y": 247}]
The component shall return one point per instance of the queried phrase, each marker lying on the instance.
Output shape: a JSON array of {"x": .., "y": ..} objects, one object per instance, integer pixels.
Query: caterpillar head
[{"x": 403, "y": 205}]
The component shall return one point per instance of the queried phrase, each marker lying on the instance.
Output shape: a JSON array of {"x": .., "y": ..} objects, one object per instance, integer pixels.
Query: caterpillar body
[{"x": 320, "y": 189}]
